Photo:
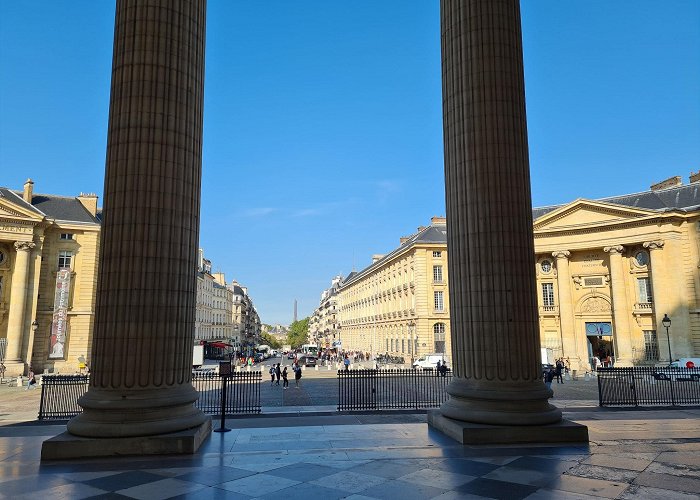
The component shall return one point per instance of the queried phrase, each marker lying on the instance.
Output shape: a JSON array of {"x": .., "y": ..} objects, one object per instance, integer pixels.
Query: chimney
[
  {"x": 28, "y": 191},
  {"x": 438, "y": 220},
  {"x": 695, "y": 177},
  {"x": 220, "y": 278},
  {"x": 404, "y": 239},
  {"x": 89, "y": 201},
  {"x": 668, "y": 183},
  {"x": 376, "y": 257},
  {"x": 420, "y": 228}
]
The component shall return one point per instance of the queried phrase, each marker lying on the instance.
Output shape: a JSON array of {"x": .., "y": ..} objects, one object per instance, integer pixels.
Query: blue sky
[{"x": 323, "y": 120}]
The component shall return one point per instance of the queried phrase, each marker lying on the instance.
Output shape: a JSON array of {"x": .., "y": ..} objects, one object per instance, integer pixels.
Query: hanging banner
[{"x": 59, "y": 324}]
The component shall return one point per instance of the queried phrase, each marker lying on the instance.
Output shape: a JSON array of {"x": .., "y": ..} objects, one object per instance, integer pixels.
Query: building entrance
[{"x": 600, "y": 342}]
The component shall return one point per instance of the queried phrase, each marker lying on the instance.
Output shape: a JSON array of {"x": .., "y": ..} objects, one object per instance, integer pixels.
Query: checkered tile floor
[{"x": 344, "y": 457}]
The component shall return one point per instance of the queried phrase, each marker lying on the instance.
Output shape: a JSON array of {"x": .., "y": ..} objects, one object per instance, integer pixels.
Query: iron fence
[
  {"x": 649, "y": 386},
  {"x": 391, "y": 389},
  {"x": 59, "y": 396},
  {"x": 60, "y": 393}
]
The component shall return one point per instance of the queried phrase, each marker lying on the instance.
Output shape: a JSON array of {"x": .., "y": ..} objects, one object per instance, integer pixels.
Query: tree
[
  {"x": 298, "y": 331},
  {"x": 270, "y": 340}
]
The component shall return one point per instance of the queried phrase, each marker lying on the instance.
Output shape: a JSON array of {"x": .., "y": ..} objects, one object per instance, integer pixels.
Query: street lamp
[
  {"x": 667, "y": 324},
  {"x": 414, "y": 344}
]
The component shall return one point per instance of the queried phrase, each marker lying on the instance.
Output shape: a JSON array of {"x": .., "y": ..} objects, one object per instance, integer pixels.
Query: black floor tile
[
  {"x": 384, "y": 468},
  {"x": 306, "y": 491},
  {"x": 303, "y": 472},
  {"x": 212, "y": 476},
  {"x": 466, "y": 466},
  {"x": 537, "y": 463},
  {"x": 403, "y": 490},
  {"x": 123, "y": 480},
  {"x": 496, "y": 489}
]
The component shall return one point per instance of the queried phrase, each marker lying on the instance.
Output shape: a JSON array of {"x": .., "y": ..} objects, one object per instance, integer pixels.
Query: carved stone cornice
[
  {"x": 24, "y": 246},
  {"x": 614, "y": 249},
  {"x": 653, "y": 245},
  {"x": 561, "y": 254}
]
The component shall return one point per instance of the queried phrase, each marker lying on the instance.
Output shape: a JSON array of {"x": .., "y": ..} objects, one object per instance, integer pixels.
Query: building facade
[
  {"x": 608, "y": 271},
  {"x": 48, "y": 275},
  {"x": 399, "y": 304},
  {"x": 324, "y": 325}
]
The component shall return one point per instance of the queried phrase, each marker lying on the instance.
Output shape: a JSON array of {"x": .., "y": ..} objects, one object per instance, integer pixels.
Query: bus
[{"x": 310, "y": 349}]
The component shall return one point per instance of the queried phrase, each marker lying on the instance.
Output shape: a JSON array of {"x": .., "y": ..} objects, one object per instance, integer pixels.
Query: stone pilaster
[
  {"x": 140, "y": 382},
  {"x": 660, "y": 296},
  {"x": 566, "y": 311},
  {"x": 17, "y": 327},
  {"x": 493, "y": 308},
  {"x": 621, "y": 325}
]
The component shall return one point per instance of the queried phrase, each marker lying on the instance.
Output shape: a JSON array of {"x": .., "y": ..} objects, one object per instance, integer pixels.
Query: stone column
[
  {"x": 623, "y": 339},
  {"x": 140, "y": 381},
  {"x": 18, "y": 301},
  {"x": 660, "y": 299},
  {"x": 566, "y": 311},
  {"x": 493, "y": 301}
]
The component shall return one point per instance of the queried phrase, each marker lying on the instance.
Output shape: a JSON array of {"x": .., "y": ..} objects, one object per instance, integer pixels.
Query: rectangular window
[
  {"x": 437, "y": 254},
  {"x": 387, "y": 345},
  {"x": 548, "y": 294},
  {"x": 64, "y": 259},
  {"x": 644, "y": 287},
  {"x": 392, "y": 345},
  {"x": 440, "y": 346},
  {"x": 437, "y": 274},
  {"x": 651, "y": 346},
  {"x": 66, "y": 236},
  {"x": 403, "y": 346},
  {"x": 439, "y": 303}
]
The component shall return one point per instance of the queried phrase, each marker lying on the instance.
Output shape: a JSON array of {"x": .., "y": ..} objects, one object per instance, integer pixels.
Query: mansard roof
[
  {"x": 683, "y": 197},
  {"x": 63, "y": 208}
]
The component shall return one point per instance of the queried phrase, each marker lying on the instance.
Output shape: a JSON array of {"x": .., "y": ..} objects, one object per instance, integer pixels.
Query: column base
[
  {"x": 562, "y": 432},
  {"x": 14, "y": 368},
  {"x": 66, "y": 445}
]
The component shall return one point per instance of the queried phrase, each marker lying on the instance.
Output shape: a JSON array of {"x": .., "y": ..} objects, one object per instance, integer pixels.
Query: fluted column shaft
[
  {"x": 493, "y": 308},
  {"x": 18, "y": 302},
  {"x": 144, "y": 318},
  {"x": 623, "y": 339}
]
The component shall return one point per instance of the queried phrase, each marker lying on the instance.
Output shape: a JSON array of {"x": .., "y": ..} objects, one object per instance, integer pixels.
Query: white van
[{"x": 429, "y": 361}]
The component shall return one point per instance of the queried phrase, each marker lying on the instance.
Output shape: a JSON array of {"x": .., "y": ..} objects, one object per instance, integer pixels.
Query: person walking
[
  {"x": 31, "y": 383},
  {"x": 346, "y": 362},
  {"x": 548, "y": 377},
  {"x": 272, "y": 375},
  {"x": 297, "y": 376},
  {"x": 559, "y": 370},
  {"x": 278, "y": 373},
  {"x": 438, "y": 368},
  {"x": 285, "y": 380}
]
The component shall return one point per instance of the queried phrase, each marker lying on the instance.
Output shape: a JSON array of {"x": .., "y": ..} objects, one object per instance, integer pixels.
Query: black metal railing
[
  {"x": 60, "y": 393},
  {"x": 59, "y": 396},
  {"x": 391, "y": 389},
  {"x": 649, "y": 386},
  {"x": 242, "y": 392}
]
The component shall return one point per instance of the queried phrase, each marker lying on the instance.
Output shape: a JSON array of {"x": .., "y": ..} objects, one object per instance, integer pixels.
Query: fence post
[
  {"x": 600, "y": 391},
  {"x": 223, "y": 427}
]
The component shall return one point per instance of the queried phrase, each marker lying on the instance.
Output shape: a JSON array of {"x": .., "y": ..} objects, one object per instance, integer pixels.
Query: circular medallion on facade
[
  {"x": 546, "y": 266},
  {"x": 641, "y": 258}
]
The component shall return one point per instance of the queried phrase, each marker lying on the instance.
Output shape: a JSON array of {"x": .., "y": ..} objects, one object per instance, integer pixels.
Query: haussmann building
[{"x": 608, "y": 271}]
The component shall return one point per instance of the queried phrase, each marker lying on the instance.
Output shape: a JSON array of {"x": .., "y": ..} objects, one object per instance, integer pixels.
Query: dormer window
[{"x": 66, "y": 236}]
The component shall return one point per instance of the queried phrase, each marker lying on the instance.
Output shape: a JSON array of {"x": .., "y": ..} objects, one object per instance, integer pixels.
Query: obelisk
[
  {"x": 140, "y": 377},
  {"x": 493, "y": 302}
]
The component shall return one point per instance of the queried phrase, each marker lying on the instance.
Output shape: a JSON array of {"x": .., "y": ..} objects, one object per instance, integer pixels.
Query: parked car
[
  {"x": 429, "y": 361},
  {"x": 291, "y": 355},
  {"x": 307, "y": 360}
]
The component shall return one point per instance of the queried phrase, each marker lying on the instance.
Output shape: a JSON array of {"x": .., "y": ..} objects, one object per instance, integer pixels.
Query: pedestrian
[
  {"x": 443, "y": 369},
  {"x": 558, "y": 371},
  {"x": 285, "y": 381},
  {"x": 31, "y": 383},
  {"x": 297, "y": 376},
  {"x": 548, "y": 377},
  {"x": 272, "y": 375},
  {"x": 277, "y": 373},
  {"x": 437, "y": 369}
]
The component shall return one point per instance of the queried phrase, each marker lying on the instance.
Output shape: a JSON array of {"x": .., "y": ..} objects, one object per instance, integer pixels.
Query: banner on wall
[{"x": 59, "y": 324}]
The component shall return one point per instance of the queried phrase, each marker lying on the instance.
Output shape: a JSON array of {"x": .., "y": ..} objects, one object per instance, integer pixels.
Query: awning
[{"x": 220, "y": 345}]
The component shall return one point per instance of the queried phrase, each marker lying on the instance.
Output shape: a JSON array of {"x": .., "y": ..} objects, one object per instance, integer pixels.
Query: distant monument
[{"x": 295, "y": 310}]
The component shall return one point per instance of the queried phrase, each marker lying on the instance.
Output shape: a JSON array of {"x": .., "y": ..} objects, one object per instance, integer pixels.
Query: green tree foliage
[
  {"x": 298, "y": 332},
  {"x": 270, "y": 340}
]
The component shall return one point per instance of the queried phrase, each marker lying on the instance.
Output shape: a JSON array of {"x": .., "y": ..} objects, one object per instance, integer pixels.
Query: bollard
[
  {"x": 329, "y": 367},
  {"x": 19, "y": 381},
  {"x": 316, "y": 367}
]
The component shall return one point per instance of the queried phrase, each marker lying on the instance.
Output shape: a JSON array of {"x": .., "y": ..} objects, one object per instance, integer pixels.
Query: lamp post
[
  {"x": 667, "y": 324},
  {"x": 414, "y": 344}
]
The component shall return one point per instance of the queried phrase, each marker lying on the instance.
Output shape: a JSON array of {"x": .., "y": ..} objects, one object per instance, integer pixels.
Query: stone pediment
[
  {"x": 582, "y": 214},
  {"x": 13, "y": 211}
]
